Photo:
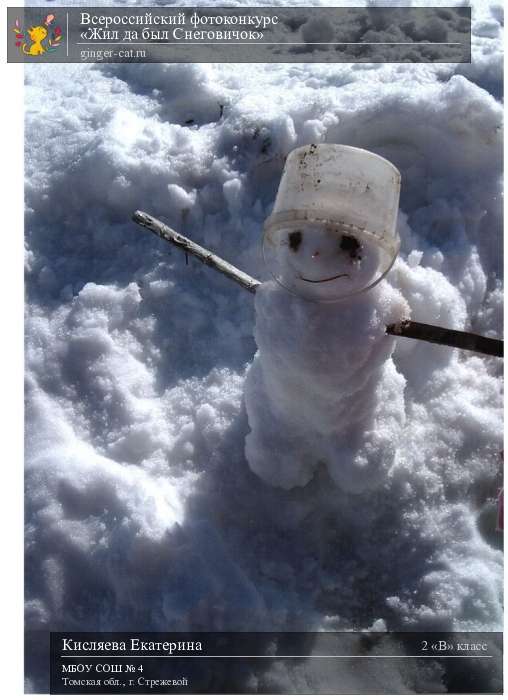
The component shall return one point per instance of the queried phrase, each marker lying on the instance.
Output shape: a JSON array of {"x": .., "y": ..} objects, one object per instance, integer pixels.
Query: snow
[
  {"x": 142, "y": 511},
  {"x": 324, "y": 390}
]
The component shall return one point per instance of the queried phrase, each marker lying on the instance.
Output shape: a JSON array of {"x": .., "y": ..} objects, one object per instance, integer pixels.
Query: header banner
[{"x": 238, "y": 35}]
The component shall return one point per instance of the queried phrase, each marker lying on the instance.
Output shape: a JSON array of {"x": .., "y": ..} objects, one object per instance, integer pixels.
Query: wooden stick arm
[
  {"x": 446, "y": 336},
  {"x": 203, "y": 254},
  {"x": 403, "y": 329}
]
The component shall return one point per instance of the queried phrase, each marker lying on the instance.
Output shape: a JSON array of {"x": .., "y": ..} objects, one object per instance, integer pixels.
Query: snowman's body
[{"x": 323, "y": 389}]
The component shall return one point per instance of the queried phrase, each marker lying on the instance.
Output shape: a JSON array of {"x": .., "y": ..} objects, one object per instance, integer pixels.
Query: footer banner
[{"x": 324, "y": 662}]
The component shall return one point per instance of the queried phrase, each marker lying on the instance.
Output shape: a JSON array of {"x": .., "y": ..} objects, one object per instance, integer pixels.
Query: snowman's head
[
  {"x": 333, "y": 228},
  {"x": 322, "y": 262}
]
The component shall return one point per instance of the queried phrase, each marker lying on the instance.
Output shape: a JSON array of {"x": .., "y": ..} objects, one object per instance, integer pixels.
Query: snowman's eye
[
  {"x": 295, "y": 238},
  {"x": 350, "y": 245}
]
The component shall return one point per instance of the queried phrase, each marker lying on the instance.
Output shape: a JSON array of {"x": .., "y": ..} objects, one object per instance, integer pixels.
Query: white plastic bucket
[{"x": 332, "y": 232}]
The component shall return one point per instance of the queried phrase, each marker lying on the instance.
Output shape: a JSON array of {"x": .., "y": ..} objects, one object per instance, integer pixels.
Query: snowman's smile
[
  {"x": 320, "y": 251},
  {"x": 326, "y": 279}
]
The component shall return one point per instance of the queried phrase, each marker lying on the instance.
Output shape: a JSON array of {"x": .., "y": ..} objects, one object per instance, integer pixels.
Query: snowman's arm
[
  {"x": 404, "y": 329},
  {"x": 446, "y": 336},
  {"x": 203, "y": 254}
]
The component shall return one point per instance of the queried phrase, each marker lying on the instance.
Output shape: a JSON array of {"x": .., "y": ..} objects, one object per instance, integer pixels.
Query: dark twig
[{"x": 446, "y": 336}]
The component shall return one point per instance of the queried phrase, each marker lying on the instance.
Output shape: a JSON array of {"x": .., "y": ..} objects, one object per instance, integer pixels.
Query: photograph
[{"x": 263, "y": 346}]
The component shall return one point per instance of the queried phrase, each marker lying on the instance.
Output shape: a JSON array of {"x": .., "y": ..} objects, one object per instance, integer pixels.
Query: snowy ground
[{"x": 141, "y": 510}]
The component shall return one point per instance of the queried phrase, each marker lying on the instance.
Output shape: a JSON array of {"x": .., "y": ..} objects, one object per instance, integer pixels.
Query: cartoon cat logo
[{"x": 42, "y": 38}]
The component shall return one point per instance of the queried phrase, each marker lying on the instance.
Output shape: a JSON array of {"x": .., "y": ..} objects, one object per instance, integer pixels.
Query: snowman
[{"x": 323, "y": 391}]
